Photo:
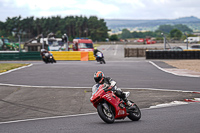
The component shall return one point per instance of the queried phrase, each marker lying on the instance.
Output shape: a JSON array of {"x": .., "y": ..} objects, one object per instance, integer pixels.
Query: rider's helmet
[
  {"x": 42, "y": 50},
  {"x": 99, "y": 77}
]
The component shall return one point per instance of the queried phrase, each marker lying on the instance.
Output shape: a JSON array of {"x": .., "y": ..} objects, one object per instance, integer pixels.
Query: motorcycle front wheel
[
  {"x": 105, "y": 114},
  {"x": 135, "y": 113}
]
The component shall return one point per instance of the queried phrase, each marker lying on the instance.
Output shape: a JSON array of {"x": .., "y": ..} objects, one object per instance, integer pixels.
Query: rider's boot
[
  {"x": 128, "y": 103},
  {"x": 124, "y": 96}
]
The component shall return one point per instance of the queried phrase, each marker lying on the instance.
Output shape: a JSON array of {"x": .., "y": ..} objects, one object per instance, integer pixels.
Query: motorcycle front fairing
[
  {"x": 120, "y": 112},
  {"x": 96, "y": 97}
]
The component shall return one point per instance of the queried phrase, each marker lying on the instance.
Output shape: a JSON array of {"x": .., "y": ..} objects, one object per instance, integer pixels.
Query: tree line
[
  {"x": 73, "y": 26},
  {"x": 175, "y": 32}
]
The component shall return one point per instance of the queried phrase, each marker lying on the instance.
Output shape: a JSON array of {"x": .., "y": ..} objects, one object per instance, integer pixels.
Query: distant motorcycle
[
  {"x": 48, "y": 58},
  {"x": 111, "y": 107},
  {"x": 100, "y": 58}
]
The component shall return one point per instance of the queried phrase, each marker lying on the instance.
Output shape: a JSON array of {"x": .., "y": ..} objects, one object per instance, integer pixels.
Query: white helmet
[{"x": 42, "y": 50}]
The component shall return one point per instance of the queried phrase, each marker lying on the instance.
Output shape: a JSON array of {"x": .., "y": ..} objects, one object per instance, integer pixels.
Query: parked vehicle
[
  {"x": 5, "y": 44},
  {"x": 192, "y": 39},
  {"x": 146, "y": 41},
  {"x": 180, "y": 48},
  {"x": 195, "y": 46},
  {"x": 50, "y": 42},
  {"x": 82, "y": 44},
  {"x": 111, "y": 107}
]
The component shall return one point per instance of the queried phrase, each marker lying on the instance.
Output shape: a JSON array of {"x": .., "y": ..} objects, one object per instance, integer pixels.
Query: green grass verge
[
  {"x": 8, "y": 66},
  {"x": 96, "y": 45}
]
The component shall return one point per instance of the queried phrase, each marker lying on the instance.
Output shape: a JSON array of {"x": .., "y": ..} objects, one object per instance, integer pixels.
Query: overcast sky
[{"x": 107, "y": 9}]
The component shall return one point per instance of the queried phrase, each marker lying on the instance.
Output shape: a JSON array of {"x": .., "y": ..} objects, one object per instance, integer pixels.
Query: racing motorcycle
[
  {"x": 100, "y": 58},
  {"x": 111, "y": 107},
  {"x": 48, "y": 58}
]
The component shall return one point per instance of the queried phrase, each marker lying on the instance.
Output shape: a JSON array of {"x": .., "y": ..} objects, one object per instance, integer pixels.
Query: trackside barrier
[
  {"x": 136, "y": 52},
  {"x": 73, "y": 55},
  {"x": 161, "y": 54},
  {"x": 20, "y": 56},
  {"x": 84, "y": 56},
  {"x": 91, "y": 56},
  {"x": 58, "y": 55}
]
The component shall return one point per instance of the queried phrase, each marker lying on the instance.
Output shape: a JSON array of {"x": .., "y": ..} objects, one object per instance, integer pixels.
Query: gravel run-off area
[{"x": 193, "y": 65}]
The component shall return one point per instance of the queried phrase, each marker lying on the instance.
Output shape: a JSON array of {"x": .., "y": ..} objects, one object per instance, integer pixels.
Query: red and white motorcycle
[{"x": 111, "y": 107}]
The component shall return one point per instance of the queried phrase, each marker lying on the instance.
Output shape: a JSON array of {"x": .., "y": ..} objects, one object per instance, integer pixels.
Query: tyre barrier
[{"x": 162, "y": 54}]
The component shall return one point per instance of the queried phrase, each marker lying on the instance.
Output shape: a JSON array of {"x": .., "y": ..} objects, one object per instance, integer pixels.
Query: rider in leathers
[{"x": 110, "y": 85}]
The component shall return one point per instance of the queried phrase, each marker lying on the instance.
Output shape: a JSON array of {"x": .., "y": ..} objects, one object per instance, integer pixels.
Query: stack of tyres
[
  {"x": 195, "y": 55},
  {"x": 171, "y": 54},
  {"x": 175, "y": 54},
  {"x": 192, "y": 55},
  {"x": 164, "y": 54},
  {"x": 188, "y": 55},
  {"x": 184, "y": 55},
  {"x": 157, "y": 54},
  {"x": 198, "y": 54},
  {"x": 179, "y": 54},
  {"x": 168, "y": 54},
  {"x": 160, "y": 54},
  {"x": 153, "y": 54},
  {"x": 148, "y": 55}
]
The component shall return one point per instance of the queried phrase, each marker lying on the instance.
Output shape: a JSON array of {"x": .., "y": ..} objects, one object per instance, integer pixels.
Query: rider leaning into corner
[
  {"x": 111, "y": 85},
  {"x": 95, "y": 53},
  {"x": 42, "y": 53}
]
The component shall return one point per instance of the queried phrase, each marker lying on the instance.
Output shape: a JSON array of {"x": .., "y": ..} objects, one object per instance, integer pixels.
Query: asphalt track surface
[
  {"x": 179, "y": 119},
  {"x": 129, "y": 73}
]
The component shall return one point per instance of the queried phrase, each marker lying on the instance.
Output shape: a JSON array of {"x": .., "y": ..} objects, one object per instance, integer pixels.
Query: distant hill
[{"x": 117, "y": 25}]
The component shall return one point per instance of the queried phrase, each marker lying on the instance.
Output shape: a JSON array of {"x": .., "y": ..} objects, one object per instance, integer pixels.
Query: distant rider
[
  {"x": 43, "y": 52},
  {"x": 95, "y": 52},
  {"x": 111, "y": 85}
]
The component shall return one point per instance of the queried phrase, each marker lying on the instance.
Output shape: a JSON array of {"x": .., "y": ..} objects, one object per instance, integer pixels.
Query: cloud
[
  {"x": 121, "y": 9},
  {"x": 45, "y": 4}
]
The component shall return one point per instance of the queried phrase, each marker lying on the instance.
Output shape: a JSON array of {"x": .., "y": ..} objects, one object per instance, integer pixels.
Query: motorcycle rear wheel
[
  {"x": 106, "y": 115},
  {"x": 103, "y": 61},
  {"x": 135, "y": 114}
]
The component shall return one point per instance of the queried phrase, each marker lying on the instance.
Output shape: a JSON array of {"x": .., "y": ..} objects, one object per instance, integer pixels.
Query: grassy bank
[{"x": 8, "y": 66}]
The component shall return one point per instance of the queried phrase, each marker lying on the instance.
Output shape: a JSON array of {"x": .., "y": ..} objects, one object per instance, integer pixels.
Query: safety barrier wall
[
  {"x": 73, "y": 55},
  {"x": 159, "y": 54},
  {"x": 58, "y": 55},
  {"x": 20, "y": 56}
]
